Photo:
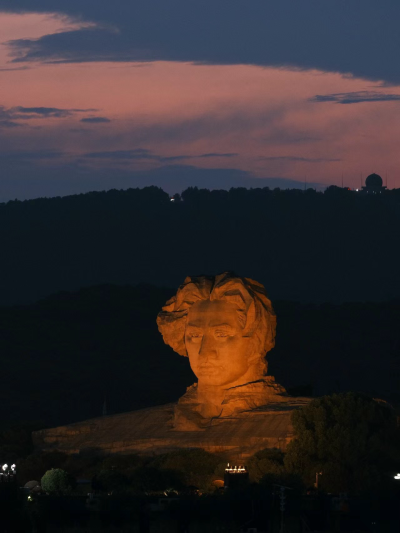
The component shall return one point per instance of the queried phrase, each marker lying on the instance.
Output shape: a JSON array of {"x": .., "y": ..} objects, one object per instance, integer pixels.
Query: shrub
[{"x": 56, "y": 481}]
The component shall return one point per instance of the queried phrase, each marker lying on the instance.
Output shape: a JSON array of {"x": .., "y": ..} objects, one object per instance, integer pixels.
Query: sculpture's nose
[{"x": 207, "y": 348}]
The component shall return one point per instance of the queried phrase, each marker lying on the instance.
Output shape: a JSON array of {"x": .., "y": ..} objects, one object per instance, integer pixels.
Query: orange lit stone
[{"x": 225, "y": 325}]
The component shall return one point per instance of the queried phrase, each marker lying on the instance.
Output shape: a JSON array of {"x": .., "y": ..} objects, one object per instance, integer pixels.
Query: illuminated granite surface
[
  {"x": 150, "y": 431},
  {"x": 225, "y": 325}
]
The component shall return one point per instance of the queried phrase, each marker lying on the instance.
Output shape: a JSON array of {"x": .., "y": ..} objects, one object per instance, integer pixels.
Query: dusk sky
[{"x": 97, "y": 94}]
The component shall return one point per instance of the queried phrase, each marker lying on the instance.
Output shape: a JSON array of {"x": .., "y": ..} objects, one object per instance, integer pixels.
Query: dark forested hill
[
  {"x": 63, "y": 355},
  {"x": 304, "y": 246}
]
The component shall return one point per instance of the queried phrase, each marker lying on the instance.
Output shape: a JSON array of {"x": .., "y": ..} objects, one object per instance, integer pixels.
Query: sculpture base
[{"x": 150, "y": 432}]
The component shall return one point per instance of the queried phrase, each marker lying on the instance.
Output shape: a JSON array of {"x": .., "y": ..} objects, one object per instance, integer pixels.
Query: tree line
[{"x": 302, "y": 245}]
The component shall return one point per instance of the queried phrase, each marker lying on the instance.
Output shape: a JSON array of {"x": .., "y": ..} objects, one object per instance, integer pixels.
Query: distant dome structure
[
  {"x": 373, "y": 184},
  {"x": 374, "y": 180}
]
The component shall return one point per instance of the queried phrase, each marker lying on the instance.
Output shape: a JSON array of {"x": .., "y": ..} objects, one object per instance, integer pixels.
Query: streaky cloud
[
  {"x": 200, "y": 156},
  {"x": 9, "y": 124},
  {"x": 95, "y": 120},
  {"x": 29, "y": 113},
  {"x": 20, "y": 156},
  {"x": 14, "y": 68},
  {"x": 355, "y": 97},
  {"x": 137, "y": 153},
  {"x": 43, "y": 111},
  {"x": 216, "y": 154},
  {"x": 294, "y": 158},
  {"x": 142, "y": 153}
]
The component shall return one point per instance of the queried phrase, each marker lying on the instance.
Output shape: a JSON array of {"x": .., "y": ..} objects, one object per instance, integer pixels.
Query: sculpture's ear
[
  {"x": 172, "y": 327},
  {"x": 170, "y": 305}
]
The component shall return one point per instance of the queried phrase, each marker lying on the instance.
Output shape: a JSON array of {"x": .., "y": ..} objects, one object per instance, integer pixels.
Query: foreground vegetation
[{"x": 351, "y": 440}]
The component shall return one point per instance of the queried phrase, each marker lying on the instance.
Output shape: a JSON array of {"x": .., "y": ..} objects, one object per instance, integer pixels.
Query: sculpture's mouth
[{"x": 206, "y": 369}]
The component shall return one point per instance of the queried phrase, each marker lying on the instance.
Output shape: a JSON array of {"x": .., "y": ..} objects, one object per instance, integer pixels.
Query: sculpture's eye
[
  {"x": 195, "y": 336},
  {"x": 224, "y": 331}
]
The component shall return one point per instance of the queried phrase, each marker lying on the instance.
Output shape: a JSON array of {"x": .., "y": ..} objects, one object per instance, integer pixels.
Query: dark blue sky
[{"x": 357, "y": 37}]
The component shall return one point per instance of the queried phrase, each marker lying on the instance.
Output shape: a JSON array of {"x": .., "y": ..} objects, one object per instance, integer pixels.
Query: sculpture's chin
[
  {"x": 211, "y": 380},
  {"x": 204, "y": 382}
]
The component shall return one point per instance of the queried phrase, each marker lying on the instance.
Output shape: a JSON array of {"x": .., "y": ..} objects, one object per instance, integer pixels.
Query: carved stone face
[{"x": 218, "y": 352}]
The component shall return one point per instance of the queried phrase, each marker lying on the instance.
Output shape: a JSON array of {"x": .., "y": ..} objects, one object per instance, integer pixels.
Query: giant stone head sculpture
[{"x": 225, "y": 324}]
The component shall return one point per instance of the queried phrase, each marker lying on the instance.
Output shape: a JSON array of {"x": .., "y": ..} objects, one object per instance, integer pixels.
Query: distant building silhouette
[{"x": 373, "y": 185}]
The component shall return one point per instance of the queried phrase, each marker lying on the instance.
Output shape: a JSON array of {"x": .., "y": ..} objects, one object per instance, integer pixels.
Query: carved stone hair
[{"x": 255, "y": 311}]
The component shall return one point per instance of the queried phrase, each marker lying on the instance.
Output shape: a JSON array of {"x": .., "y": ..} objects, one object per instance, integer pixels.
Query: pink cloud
[{"x": 267, "y": 116}]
